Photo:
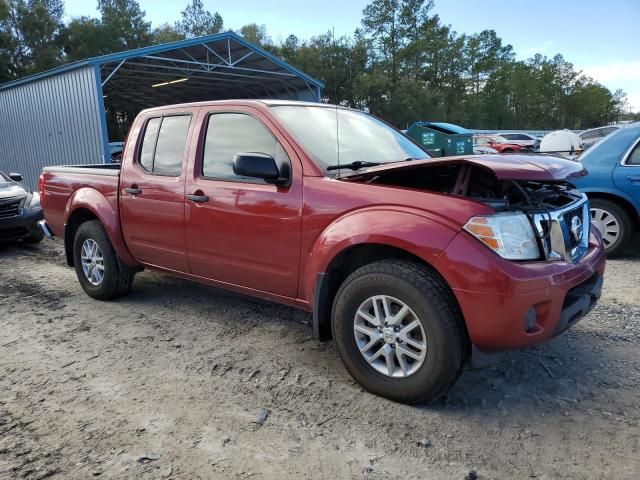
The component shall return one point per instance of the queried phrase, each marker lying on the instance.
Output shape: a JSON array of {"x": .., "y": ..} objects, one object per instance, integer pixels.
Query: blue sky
[{"x": 599, "y": 37}]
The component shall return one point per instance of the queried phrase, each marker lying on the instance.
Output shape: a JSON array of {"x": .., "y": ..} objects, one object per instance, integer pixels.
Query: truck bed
[{"x": 81, "y": 181}]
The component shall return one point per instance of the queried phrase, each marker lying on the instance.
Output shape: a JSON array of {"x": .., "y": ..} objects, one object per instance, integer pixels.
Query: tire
[
  {"x": 430, "y": 302},
  {"x": 37, "y": 238},
  {"x": 601, "y": 210},
  {"x": 117, "y": 278}
]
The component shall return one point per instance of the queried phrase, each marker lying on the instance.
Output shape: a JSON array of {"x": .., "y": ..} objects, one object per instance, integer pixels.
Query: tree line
[{"x": 402, "y": 63}]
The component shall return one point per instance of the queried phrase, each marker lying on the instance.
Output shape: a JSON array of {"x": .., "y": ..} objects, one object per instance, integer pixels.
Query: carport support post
[{"x": 106, "y": 156}]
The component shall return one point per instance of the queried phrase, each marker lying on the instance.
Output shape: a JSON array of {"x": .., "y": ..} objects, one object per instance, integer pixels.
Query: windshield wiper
[{"x": 357, "y": 165}]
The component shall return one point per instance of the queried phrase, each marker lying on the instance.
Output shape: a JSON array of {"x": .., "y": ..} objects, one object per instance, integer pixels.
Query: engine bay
[{"x": 480, "y": 184}]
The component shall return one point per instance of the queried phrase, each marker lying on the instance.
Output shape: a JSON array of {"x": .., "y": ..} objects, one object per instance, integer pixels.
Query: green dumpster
[{"x": 442, "y": 139}]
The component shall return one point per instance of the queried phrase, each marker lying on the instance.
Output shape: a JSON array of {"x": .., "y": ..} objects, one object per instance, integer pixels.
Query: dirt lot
[{"x": 179, "y": 380}]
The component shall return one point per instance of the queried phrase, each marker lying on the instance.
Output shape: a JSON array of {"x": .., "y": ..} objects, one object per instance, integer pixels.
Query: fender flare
[
  {"x": 103, "y": 209},
  {"x": 417, "y": 232}
]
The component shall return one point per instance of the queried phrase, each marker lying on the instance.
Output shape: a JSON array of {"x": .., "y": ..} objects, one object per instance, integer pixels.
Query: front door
[
  {"x": 152, "y": 192},
  {"x": 243, "y": 231}
]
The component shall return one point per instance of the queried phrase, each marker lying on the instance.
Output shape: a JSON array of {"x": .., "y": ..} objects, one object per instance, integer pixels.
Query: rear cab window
[{"x": 163, "y": 145}]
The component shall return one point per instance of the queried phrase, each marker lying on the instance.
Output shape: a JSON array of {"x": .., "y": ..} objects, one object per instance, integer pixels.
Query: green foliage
[
  {"x": 403, "y": 64},
  {"x": 124, "y": 25},
  {"x": 32, "y": 35},
  {"x": 197, "y": 21},
  {"x": 166, "y": 33},
  {"x": 256, "y": 34}
]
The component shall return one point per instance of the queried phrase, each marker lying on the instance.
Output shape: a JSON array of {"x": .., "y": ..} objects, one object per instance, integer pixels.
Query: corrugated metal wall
[{"x": 51, "y": 121}]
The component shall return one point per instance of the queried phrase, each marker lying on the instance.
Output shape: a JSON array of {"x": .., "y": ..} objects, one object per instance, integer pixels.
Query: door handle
[
  {"x": 633, "y": 178},
  {"x": 198, "y": 198},
  {"x": 133, "y": 191}
]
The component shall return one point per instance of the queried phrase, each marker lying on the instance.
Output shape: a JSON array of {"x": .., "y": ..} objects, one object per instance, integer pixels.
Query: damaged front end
[{"x": 542, "y": 218}]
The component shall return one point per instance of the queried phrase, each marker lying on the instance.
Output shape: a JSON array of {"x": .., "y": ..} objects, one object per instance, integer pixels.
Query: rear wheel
[
  {"x": 399, "y": 332},
  {"x": 101, "y": 274},
  {"x": 613, "y": 223}
]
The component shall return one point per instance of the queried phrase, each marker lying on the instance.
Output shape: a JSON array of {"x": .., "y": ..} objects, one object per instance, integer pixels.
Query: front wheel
[
  {"x": 614, "y": 225},
  {"x": 100, "y": 272},
  {"x": 399, "y": 332}
]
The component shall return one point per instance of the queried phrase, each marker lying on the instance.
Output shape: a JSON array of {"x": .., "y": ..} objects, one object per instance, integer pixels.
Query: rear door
[
  {"x": 626, "y": 174},
  {"x": 152, "y": 191},
  {"x": 247, "y": 232}
]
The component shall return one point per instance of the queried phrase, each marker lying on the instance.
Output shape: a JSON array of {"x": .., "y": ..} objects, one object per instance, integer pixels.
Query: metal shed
[{"x": 60, "y": 116}]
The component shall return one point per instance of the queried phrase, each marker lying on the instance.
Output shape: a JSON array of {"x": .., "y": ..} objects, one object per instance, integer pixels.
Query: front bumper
[
  {"x": 509, "y": 304},
  {"x": 21, "y": 226}
]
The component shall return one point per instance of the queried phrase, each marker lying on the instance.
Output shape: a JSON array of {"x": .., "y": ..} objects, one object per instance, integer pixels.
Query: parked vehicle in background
[
  {"x": 590, "y": 137},
  {"x": 409, "y": 262},
  {"x": 483, "y": 150},
  {"x": 498, "y": 143},
  {"x": 613, "y": 186},
  {"x": 564, "y": 143},
  {"x": 20, "y": 211},
  {"x": 522, "y": 139}
]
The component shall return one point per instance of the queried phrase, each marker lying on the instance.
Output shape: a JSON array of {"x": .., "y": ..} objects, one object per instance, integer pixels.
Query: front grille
[
  {"x": 9, "y": 207},
  {"x": 565, "y": 233}
]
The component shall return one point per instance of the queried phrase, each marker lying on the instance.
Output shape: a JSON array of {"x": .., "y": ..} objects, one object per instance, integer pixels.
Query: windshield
[
  {"x": 339, "y": 137},
  {"x": 4, "y": 178}
]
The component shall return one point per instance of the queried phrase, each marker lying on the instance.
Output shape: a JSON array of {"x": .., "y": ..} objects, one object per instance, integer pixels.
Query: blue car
[{"x": 613, "y": 186}]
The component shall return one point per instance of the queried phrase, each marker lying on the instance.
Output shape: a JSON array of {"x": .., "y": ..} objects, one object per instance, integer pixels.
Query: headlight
[
  {"x": 33, "y": 202},
  {"x": 509, "y": 235}
]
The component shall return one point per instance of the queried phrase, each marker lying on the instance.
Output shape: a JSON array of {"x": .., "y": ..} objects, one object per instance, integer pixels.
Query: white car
[{"x": 523, "y": 139}]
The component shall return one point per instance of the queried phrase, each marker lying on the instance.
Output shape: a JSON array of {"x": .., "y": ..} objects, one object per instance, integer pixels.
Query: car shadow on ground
[{"x": 563, "y": 373}]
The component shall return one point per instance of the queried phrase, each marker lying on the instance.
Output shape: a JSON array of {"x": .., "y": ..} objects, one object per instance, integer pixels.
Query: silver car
[{"x": 590, "y": 137}]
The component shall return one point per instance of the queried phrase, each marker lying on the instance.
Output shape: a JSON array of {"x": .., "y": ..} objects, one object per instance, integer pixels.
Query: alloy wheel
[
  {"x": 92, "y": 262},
  {"x": 390, "y": 336}
]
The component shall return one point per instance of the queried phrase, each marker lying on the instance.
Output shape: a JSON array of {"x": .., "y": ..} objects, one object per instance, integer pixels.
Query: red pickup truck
[{"x": 410, "y": 263}]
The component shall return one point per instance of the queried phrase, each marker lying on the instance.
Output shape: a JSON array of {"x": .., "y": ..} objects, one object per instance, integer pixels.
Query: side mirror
[
  {"x": 259, "y": 165},
  {"x": 16, "y": 177}
]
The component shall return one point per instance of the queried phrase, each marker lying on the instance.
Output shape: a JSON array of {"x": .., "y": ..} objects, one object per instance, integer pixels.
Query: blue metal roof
[{"x": 165, "y": 47}]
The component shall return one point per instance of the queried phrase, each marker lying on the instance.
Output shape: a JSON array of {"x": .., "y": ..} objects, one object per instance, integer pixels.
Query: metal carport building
[{"x": 60, "y": 116}]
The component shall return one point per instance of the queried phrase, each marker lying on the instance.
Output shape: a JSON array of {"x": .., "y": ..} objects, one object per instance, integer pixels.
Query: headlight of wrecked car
[
  {"x": 509, "y": 235},
  {"x": 32, "y": 203}
]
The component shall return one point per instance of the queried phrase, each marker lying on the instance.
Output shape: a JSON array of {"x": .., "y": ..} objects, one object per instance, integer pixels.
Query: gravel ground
[{"x": 179, "y": 380}]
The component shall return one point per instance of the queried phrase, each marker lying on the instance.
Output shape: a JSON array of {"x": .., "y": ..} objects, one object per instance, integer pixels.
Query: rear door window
[
  {"x": 163, "y": 145},
  {"x": 149, "y": 144},
  {"x": 634, "y": 158}
]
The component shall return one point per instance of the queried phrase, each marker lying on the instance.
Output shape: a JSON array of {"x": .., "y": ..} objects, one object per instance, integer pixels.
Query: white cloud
[
  {"x": 615, "y": 72},
  {"x": 618, "y": 74}
]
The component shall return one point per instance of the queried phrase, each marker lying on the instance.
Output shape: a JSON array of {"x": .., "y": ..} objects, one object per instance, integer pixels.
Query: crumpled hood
[
  {"x": 8, "y": 190},
  {"x": 519, "y": 166}
]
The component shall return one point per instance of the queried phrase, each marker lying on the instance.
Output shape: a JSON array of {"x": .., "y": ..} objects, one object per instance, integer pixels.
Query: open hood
[
  {"x": 504, "y": 182},
  {"x": 543, "y": 168}
]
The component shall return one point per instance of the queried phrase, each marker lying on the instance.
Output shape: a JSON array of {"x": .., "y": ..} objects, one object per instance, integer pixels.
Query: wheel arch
[
  {"x": 346, "y": 262},
  {"x": 623, "y": 202},
  {"x": 88, "y": 204}
]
